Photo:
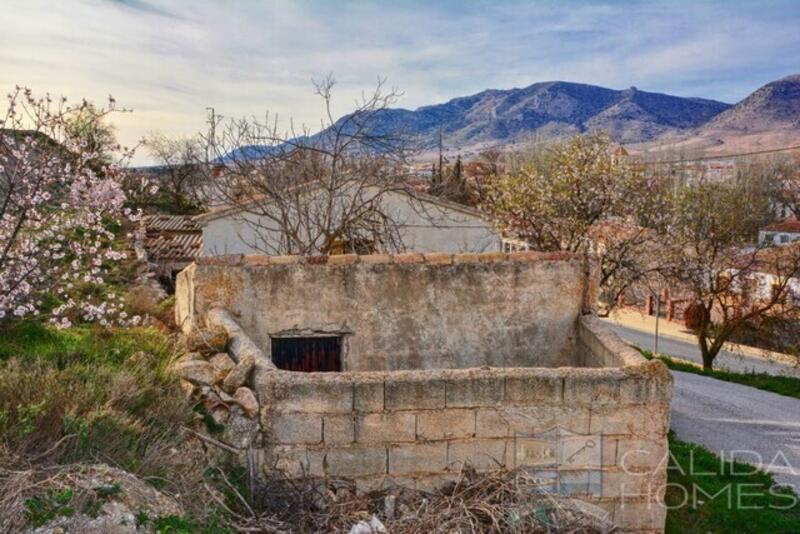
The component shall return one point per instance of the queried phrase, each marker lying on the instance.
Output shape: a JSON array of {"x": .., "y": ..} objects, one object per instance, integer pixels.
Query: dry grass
[
  {"x": 90, "y": 397},
  {"x": 495, "y": 502}
]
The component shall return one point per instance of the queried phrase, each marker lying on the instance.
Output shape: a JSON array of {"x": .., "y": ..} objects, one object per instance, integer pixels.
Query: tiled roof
[
  {"x": 174, "y": 223},
  {"x": 172, "y": 238},
  {"x": 790, "y": 225}
]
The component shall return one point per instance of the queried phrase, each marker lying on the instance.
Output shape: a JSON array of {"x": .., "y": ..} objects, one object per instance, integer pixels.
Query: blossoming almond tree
[{"x": 58, "y": 214}]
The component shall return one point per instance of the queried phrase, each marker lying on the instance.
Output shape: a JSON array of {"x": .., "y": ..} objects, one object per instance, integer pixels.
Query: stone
[
  {"x": 220, "y": 415},
  {"x": 285, "y": 260},
  {"x": 247, "y": 400},
  {"x": 205, "y": 341},
  {"x": 238, "y": 376},
  {"x": 197, "y": 372},
  {"x": 224, "y": 396},
  {"x": 240, "y": 431},
  {"x": 188, "y": 388},
  {"x": 223, "y": 363}
]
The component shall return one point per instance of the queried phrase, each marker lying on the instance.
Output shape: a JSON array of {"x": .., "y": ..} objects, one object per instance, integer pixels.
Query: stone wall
[
  {"x": 408, "y": 311},
  {"x": 596, "y": 434},
  {"x": 595, "y": 430}
]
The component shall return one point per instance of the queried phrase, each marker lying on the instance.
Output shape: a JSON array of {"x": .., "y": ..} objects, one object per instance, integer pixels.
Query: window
[
  {"x": 514, "y": 245},
  {"x": 307, "y": 354}
]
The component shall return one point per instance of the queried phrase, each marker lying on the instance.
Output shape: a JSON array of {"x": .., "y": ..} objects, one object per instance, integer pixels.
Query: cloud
[
  {"x": 143, "y": 7},
  {"x": 171, "y": 59}
]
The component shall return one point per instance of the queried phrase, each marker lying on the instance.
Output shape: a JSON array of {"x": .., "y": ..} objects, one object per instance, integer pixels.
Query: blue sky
[{"x": 169, "y": 60}]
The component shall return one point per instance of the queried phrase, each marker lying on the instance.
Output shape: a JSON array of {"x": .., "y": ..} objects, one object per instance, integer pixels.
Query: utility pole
[
  {"x": 441, "y": 143},
  {"x": 658, "y": 314},
  {"x": 212, "y": 126}
]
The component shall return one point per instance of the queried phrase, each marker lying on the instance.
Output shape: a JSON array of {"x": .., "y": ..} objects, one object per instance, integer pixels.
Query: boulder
[
  {"x": 240, "y": 431},
  {"x": 207, "y": 341},
  {"x": 238, "y": 376},
  {"x": 188, "y": 388},
  {"x": 247, "y": 400},
  {"x": 196, "y": 371},
  {"x": 223, "y": 363}
]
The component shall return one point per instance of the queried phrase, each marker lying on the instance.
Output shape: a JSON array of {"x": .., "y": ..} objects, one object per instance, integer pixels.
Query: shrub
[{"x": 693, "y": 316}]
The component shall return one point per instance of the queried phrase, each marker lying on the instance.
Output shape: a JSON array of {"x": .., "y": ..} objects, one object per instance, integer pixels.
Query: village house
[
  {"x": 168, "y": 244},
  {"x": 424, "y": 223},
  {"x": 780, "y": 233}
]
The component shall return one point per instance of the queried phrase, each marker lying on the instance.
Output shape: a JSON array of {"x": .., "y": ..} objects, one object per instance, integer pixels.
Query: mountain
[
  {"x": 768, "y": 118},
  {"x": 773, "y": 106},
  {"x": 646, "y": 122},
  {"x": 547, "y": 110}
]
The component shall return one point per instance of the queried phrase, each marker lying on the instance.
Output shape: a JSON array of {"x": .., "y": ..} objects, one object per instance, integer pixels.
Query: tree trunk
[
  {"x": 708, "y": 360},
  {"x": 707, "y": 353}
]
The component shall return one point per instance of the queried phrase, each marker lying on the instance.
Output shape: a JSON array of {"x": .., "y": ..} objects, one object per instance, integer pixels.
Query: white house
[
  {"x": 780, "y": 233},
  {"x": 424, "y": 224}
]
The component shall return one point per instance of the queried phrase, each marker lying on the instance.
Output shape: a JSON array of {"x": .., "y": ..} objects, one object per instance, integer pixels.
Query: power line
[{"x": 727, "y": 156}]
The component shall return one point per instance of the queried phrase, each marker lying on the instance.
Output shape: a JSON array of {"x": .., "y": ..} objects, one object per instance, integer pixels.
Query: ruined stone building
[{"x": 398, "y": 370}]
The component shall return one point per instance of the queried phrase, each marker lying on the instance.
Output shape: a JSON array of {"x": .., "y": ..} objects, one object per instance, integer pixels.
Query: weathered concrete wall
[
  {"x": 595, "y": 434},
  {"x": 406, "y": 311},
  {"x": 490, "y": 334}
]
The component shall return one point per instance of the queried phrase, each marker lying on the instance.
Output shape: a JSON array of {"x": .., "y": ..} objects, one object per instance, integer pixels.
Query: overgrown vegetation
[
  {"x": 86, "y": 396},
  {"x": 782, "y": 385},
  {"x": 708, "y": 495}
]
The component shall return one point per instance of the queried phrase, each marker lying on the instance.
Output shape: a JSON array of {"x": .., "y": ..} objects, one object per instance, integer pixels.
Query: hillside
[
  {"x": 774, "y": 106},
  {"x": 551, "y": 109},
  {"x": 766, "y": 119}
]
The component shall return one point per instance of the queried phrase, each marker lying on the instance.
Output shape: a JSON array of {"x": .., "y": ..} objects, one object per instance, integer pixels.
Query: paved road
[
  {"x": 689, "y": 351},
  {"x": 755, "y": 426}
]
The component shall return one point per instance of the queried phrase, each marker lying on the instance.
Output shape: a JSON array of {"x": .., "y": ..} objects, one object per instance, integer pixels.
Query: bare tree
[
  {"x": 181, "y": 173},
  {"x": 298, "y": 193},
  {"x": 708, "y": 245}
]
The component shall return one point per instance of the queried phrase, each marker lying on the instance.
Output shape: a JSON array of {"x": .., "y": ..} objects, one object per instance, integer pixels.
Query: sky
[{"x": 170, "y": 60}]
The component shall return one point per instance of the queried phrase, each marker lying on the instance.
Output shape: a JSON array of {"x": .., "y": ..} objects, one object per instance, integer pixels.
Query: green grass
[
  {"x": 782, "y": 385},
  {"x": 707, "y": 495},
  {"x": 106, "y": 392},
  {"x": 30, "y": 340}
]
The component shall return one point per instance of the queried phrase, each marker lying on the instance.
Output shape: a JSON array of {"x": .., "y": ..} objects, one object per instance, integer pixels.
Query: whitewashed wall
[{"x": 424, "y": 227}]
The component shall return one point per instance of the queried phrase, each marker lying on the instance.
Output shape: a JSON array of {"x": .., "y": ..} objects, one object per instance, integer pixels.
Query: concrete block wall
[{"x": 603, "y": 430}]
